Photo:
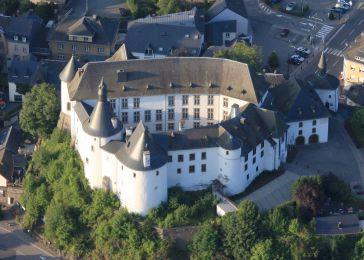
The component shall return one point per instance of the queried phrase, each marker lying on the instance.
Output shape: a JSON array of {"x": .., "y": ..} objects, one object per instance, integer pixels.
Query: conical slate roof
[
  {"x": 69, "y": 71},
  {"x": 131, "y": 153},
  {"x": 322, "y": 64},
  {"x": 100, "y": 123}
]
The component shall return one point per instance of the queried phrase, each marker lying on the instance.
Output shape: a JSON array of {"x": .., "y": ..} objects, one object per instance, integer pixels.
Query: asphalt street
[{"x": 15, "y": 244}]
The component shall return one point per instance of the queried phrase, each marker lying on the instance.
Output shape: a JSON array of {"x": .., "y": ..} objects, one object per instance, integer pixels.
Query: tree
[
  {"x": 335, "y": 188},
  {"x": 45, "y": 10},
  {"x": 359, "y": 249},
  {"x": 357, "y": 124},
  {"x": 243, "y": 53},
  {"x": 141, "y": 8},
  {"x": 273, "y": 60},
  {"x": 168, "y": 6},
  {"x": 308, "y": 194},
  {"x": 9, "y": 7},
  {"x": 265, "y": 249},
  {"x": 23, "y": 88},
  {"x": 40, "y": 111},
  {"x": 241, "y": 230},
  {"x": 205, "y": 243}
]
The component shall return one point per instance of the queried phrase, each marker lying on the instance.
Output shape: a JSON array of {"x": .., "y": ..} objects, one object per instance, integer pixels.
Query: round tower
[{"x": 66, "y": 77}]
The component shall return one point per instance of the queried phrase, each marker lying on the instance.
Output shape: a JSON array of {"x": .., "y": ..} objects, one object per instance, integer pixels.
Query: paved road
[{"x": 15, "y": 244}]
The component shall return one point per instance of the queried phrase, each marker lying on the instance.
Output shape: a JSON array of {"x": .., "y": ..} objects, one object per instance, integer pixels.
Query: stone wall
[{"x": 13, "y": 193}]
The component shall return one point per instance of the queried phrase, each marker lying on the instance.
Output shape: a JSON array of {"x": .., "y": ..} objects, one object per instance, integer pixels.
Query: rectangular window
[
  {"x": 196, "y": 124},
  {"x": 87, "y": 48},
  {"x": 74, "y": 47},
  {"x": 61, "y": 56},
  {"x": 180, "y": 158},
  {"x": 16, "y": 37},
  {"x": 225, "y": 115},
  {"x": 314, "y": 122},
  {"x": 124, "y": 103},
  {"x": 147, "y": 115},
  {"x": 300, "y": 132},
  {"x": 184, "y": 113},
  {"x": 24, "y": 39},
  {"x": 158, "y": 127},
  {"x": 191, "y": 169},
  {"x": 203, "y": 156},
  {"x": 261, "y": 153},
  {"x": 196, "y": 113},
  {"x": 300, "y": 124},
  {"x": 203, "y": 167},
  {"x": 256, "y": 168},
  {"x": 136, "y": 102},
  {"x": 179, "y": 171},
  {"x": 247, "y": 177},
  {"x": 245, "y": 167},
  {"x": 100, "y": 50},
  {"x": 185, "y": 100},
  {"x": 254, "y": 160},
  {"x": 210, "y": 100},
  {"x": 136, "y": 117},
  {"x": 60, "y": 46},
  {"x": 192, "y": 156},
  {"x": 113, "y": 103},
  {"x": 197, "y": 100},
  {"x": 171, "y": 114},
  {"x": 254, "y": 151},
  {"x": 158, "y": 115},
  {"x": 246, "y": 157},
  {"x": 18, "y": 98},
  {"x": 314, "y": 130},
  {"x": 262, "y": 145},
  {"x": 225, "y": 102},
  {"x": 210, "y": 123},
  {"x": 170, "y": 126},
  {"x": 210, "y": 113},
  {"x": 25, "y": 50},
  {"x": 171, "y": 101},
  {"x": 124, "y": 117},
  {"x": 170, "y": 158}
]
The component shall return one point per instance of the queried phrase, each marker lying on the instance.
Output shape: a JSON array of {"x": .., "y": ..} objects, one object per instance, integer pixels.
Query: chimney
[
  {"x": 146, "y": 159},
  {"x": 234, "y": 111}
]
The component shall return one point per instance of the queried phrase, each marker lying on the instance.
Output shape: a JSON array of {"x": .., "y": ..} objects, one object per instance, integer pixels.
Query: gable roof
[
  {"x": 103, "y": 30},
  {"x": 174, "y": 75},
  {"x": 237, "y": 6},
  {"x": 294, "y": 102},
  {"x": 23, "y": 71},
  {"x": 164, "y": 34},
  {"x": 26, "y": 25}
]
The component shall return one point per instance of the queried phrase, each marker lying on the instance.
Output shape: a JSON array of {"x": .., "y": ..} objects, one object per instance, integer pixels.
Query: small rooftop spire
[
  {"x": 69, "y": 71},
  {"x": 102, "y": 91},
  {"x": 322, "y": 64}
]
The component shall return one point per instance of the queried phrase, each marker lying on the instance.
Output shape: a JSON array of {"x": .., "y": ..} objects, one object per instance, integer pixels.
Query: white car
[
  {"x": 343, "y": 6},
  {"x": 350, "y": 3},
  {"x": 290, "y": 6},
  {"x": 303, "y": 50}
]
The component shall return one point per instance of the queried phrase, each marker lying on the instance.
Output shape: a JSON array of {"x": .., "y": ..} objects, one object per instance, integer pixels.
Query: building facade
[{"x": 353, "y": 65}]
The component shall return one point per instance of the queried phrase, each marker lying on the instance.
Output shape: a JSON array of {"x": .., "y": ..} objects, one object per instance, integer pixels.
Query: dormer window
[
  {"x": 160, "y": 49},
  {"x": 148, "y": 52},
  {"x": 24, "y": 39},
  {"x": 187, "y": 36},
  {"x": 16, "y": 37}
]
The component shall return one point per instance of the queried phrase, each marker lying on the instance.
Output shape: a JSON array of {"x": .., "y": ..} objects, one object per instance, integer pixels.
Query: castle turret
[
  {"x": 66, "y": 77},
  {"x": 322, "y": 65}
]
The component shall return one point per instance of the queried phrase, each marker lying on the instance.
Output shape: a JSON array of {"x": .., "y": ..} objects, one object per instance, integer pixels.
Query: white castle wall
[
  {"x": 322, "y": 130},
  {"x": 330, "y": 98}
]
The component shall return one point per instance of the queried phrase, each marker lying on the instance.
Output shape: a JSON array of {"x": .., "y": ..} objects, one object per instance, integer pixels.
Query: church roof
[
  {"x": 69, "y": 70},
  {"x": 322, "y": 63},
  {"x": 100, "y": 123}
]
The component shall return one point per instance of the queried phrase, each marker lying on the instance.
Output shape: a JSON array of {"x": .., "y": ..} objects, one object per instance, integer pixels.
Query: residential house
[
  {"x": 355, "y": 96},
  {"x": 226, "y": 21},
  {"x": 176, "y": 34},
  {"x": 353, "y": 66},
  {"x": 88, "y": 38}
]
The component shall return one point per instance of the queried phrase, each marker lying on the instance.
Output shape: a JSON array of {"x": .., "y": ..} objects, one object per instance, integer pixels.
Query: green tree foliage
[
  {"x": 265, "y": 249},
  {"x": 141, "y": 8},
  {"x": 357, "y": 125},
  {"x": 242, "y": 230},
  {"x": 206, "y": 242},
  {"x": 335, "y": 188},
  {"x": 308, "y": 194},
  {"x": 273, "y": 60},
  {"x": 9, "y": 7},
  {"x": 45, "y": 10},
  {"x": 23, "y": 88},
  {"x": 168, "y": 6},
  {"x": 244, "y": 53},
  {"x": 359, "y": 249},
  {"x": 40, "y": 110}
]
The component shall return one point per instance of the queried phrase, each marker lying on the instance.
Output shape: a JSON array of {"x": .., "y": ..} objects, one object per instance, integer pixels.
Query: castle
[{"x": 143, "y": 126}]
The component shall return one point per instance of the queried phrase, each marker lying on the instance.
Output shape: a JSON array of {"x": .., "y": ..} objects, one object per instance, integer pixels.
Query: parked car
[
  {"x": 296, "y": 59},
  {"x": 284, "y": 32},
  {"x": 337, "y": 10},
  {"x": 350, "y": 3},
  {"x": 304, "y": 52},
  {"x": 290, "y": 6},
  {"x": 346, "y": 7}
]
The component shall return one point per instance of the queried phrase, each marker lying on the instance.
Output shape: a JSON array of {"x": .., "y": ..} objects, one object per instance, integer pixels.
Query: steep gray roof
[
  {"x": 295, "y": 103},
  {"x": 246, "y": 131},
  {"x": 23, "y": 71},
  {"x": 69, "y": 70},
  {"x": 131, "y": 152},
  {"x": 26, "y": 25},
  {"x": 121, "y": 54},
  {"x": 237, "y": 6},
  {"x": 103, "y": 30},
  {"x": 100, "y": 122},
  {"x": 215, "y": 30},
  {"x": 163, "y": 34},
  {"x": 321, "y": 79},
  {"x": 147, "y": 77}
]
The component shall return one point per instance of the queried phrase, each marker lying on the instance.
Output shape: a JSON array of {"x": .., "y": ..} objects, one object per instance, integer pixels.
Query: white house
[
  {"x": 158, "y": 123},
  {"x": 325, "y": 85}
]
